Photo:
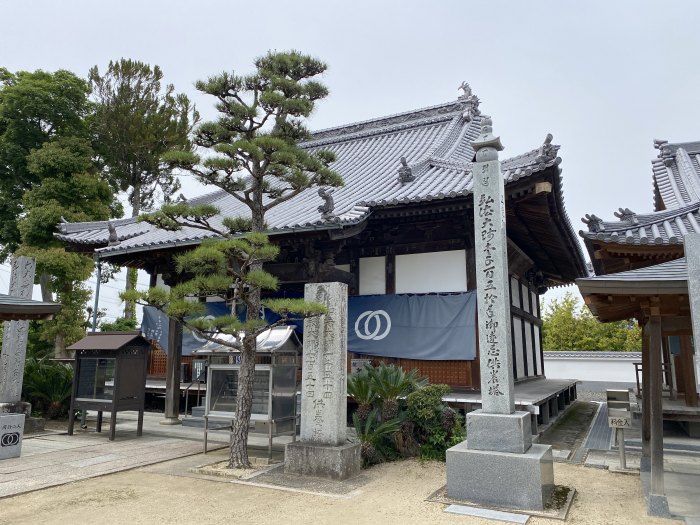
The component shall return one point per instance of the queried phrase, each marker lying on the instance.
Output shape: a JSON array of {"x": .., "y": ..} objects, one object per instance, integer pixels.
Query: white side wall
[{"x": 617, "y": 369}]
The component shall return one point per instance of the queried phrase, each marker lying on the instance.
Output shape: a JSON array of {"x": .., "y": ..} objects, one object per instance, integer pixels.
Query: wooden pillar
[
  {"x": 687, "y": 367},
  {"x": 667, "y": 370},
  {"x": 646, "y": 409},
  {"x": 172, "y": 374},
  {"x": 656, "y": 422},
  {"x": 390, "y": 273}
]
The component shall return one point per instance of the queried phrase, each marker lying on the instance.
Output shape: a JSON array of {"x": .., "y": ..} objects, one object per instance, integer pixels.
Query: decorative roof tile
[{"x": 676, "y": 174}]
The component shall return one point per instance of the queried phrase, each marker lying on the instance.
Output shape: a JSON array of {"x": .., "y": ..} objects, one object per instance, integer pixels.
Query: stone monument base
[
  {"x": 501, "y": 479},
  {"x": 499, "y": 432},
  {"x": 322, "y": 461},
  {"x": 17, "y": 407},
  {"x": 11, "y": 430}
]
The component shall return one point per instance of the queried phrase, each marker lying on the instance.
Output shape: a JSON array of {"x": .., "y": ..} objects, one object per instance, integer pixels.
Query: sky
[{"x": 605, "y": 78}]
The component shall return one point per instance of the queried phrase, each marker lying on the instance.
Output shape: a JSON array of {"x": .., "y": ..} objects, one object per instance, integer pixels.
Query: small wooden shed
[{"x": 110, "y": 375}]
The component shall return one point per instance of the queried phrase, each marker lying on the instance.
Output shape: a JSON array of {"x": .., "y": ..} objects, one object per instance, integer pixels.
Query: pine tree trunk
[
  {"x": 46, "y": 294},
  {"x": 238, "y": 452},
  {"x": 59, "y": 346},
  {"x": 132, "y": 273}
]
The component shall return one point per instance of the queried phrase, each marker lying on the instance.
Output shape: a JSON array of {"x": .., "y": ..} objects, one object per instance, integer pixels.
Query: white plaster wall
[
  {"x": 372, "y": 275},
  {"x": 432, "y": 272},
  {"x": 591, "y": 369}
]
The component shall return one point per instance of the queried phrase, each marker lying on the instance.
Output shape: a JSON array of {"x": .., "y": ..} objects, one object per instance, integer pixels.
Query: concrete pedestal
[
  {"x": 322, "y": 461},
  {"x": 501, "y": 479},
  {"x": 499, "y": 432},
  {"x": 11, "y": 430}
]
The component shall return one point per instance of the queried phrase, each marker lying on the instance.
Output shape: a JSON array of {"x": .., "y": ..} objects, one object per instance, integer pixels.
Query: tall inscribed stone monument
[
  {"x": 14, "y": 348},
  {"x": 323, "y": 451},
  {"x": 497, "y": 465}
]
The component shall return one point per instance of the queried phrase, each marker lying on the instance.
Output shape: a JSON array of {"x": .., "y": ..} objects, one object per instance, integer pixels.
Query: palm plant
[
  {"x": 47, "y": 384},
  {"x": 361, "y": 389},
  {"x": 391, "y": 383},
  {"x": 371, "y": 433}
]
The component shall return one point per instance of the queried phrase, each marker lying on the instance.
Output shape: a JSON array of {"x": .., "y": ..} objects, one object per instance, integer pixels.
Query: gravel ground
[{"x": 393, "y": 493}]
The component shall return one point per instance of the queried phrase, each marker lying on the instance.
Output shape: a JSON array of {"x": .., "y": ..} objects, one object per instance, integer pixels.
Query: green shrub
[{"x": 437, "y": 426}]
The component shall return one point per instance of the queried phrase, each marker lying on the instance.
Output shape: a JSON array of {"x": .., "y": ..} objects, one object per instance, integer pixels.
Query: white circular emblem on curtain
[{"x": 376, "y": 326}]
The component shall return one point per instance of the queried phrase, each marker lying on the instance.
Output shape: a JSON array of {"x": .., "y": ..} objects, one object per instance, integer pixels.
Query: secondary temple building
[
  {"x": 647, "y": 267},
  {"x": 400, "y": 234}
]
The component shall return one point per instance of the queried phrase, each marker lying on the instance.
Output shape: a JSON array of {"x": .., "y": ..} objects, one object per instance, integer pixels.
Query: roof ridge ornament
[
  {"x": 328, "y": 207},
  {"x": 405, "y": 172},
  {"x": 594, "y": 223},
  {"x": 471, "y": 110},
  {"x": 625, "y": 214},
  {"x": 547, "y": 151},
  {"x": 113, "y": 238},
  {"x": 487, "y": 145}
]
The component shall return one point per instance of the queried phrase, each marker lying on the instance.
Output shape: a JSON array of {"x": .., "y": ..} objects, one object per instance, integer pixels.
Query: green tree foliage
[
  {"x": 120, "y": 324},
  {"x": 136, "y": 121},
  {"x": 253, "y": 154},
  {"x": 70, "y": 189},
  {"x": 569, "y": 325},
  {"x": 34, "y": 108}
]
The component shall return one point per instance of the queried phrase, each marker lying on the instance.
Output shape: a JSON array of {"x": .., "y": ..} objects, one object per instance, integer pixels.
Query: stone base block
[
  {"x": 499, "y": 432},
  {"x": 11, "y": 430},
  {"x": 34, "y": 424},
  {"x": 18, "y": 407},
  {"x": 322, "y": 461},
  {"x": 501, "y": 479}
]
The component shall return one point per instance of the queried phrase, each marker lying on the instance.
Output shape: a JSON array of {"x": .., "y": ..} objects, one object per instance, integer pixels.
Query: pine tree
[
  {"x": 136, "y": 121},
  {"x": 253, "y": 155}
]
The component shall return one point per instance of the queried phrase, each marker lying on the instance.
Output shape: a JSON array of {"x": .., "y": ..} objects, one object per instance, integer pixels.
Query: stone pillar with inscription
[
  {"x": 323, "y": 451},
  {"x": 13, "y": 411},
  {"x": 497, "y": 465}
]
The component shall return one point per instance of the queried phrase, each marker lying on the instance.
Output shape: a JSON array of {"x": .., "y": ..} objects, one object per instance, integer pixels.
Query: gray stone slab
[
  {"x": 11, "y": 431},
  {"x": 308, "y": 459},
  {"x": 324, "y": 367},
  {"x": 501, "y": 479},
  {"x": 95, "y": 460},
  {"x": 487, "y": 514},
  {"x": 499, "y": 432}
]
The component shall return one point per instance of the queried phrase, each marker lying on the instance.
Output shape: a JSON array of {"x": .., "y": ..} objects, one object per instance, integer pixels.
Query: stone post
[
  {"x": 692, "y": 258},
  {"x": 14, "y": 350},
  {"x": 323, "y": 451},
  {"x": 498, "y": 465},
  {"x": 14, "y": 342}
]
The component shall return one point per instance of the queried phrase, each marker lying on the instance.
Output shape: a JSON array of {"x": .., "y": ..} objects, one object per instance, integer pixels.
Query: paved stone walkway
[{"x": 55, "y": 458}]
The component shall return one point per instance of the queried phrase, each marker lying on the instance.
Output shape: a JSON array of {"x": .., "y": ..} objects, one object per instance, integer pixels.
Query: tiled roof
[
  {"x": 656, "y": 228},
  {"x": 676, "y": 174},
  {"x": 435, "y": 141},
  {"x": 108, "y": 340},
  {"x": 665, "y": 278},
  {"x": 15, "y": 308}
]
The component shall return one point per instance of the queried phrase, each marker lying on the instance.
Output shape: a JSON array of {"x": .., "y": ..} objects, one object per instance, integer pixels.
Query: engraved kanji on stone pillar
[
  {"x": 324, "y": 368},
  {"x": 492, "y": 275},
  {"x": 14, "y": 341}
]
